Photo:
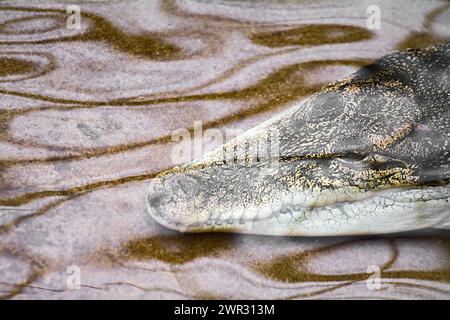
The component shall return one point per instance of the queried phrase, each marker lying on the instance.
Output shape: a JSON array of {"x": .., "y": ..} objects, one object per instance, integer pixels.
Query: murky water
[{"x": 86, "y": 117}]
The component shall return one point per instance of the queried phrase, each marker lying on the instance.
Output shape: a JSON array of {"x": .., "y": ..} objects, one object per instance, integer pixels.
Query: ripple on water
[
  {"x": 17, "y": 66},
  {"x": 311, "y": 35},
  {"x": 17, "y": 271},
  {"x": 42, "y": 27},
  {"x": 32, "y": 25}
]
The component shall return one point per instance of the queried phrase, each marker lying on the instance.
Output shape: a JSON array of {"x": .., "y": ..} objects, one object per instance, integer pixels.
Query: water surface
[{"x": 86, "y": 117}]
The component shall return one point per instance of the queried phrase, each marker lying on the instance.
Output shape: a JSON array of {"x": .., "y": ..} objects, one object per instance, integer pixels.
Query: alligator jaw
[{"x": 348, "y": 210}]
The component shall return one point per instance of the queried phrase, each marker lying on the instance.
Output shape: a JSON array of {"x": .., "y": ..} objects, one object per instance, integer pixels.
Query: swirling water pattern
[{"x": 86, "y": 117}]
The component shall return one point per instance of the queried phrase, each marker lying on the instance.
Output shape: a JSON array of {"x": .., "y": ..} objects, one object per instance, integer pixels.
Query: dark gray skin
[{"x": 367, "y": 154}]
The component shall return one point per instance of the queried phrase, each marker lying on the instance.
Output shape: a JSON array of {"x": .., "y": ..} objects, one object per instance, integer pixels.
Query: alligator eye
[
  {"x": 375, "y": 159},
  {"x": 362, "y": 161},
  {"x": 379, "y": 161},
  {"x": 352, "y": 159}
]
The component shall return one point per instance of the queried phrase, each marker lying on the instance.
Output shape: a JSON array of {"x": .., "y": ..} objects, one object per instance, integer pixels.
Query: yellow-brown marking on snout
[{"x": 383, "y": 142}]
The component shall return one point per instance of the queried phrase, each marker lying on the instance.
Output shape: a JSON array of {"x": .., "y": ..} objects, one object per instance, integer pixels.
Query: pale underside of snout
[{"x": 327, "y": 214}]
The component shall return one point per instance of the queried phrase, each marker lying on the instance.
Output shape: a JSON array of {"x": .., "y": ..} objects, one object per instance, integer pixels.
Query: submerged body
[{"x": 367, "y": 154}]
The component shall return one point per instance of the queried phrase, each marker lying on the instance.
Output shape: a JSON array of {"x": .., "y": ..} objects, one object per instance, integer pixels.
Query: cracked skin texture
[{"x": 367, "y": 154}]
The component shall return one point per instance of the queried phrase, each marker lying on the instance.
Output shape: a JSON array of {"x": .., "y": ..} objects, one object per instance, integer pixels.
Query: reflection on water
[
  {"x": 86, "y": 118},
  {"x": 12, "y": 66},
  {"x": 311, "y": 35}
]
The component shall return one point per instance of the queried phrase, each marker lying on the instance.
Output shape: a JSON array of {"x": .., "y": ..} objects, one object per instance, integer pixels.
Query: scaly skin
[{"x": 368, "y": 154}]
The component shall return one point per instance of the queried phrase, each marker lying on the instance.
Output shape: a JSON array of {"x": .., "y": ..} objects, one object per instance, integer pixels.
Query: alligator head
[{"x": 367, "y": 154}]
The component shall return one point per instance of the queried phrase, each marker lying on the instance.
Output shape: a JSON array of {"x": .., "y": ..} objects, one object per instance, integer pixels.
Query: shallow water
[{"x": 86, "y": 118}]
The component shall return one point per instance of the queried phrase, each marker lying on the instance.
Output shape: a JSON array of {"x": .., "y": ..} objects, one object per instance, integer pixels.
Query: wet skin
[{"x": 367, "y": 154}]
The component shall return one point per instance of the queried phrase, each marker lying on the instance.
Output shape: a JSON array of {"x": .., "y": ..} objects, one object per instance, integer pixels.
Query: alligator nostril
[{"x": 156, "y": 199}]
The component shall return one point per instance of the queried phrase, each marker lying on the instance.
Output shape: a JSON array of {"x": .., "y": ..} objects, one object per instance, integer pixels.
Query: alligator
[{"x": 367, "y": 154}]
